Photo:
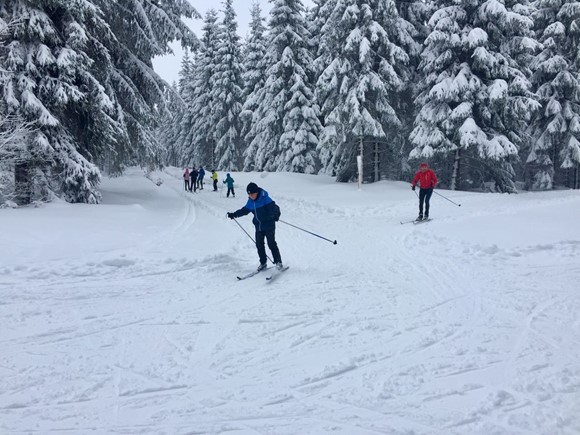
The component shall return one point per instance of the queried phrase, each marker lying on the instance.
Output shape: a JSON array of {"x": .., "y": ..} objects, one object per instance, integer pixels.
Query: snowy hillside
[{"x": 127, "y": 318}]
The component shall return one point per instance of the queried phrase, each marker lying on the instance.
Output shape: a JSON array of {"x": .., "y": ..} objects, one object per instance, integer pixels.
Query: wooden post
[
  {"x": 455, "y": 177},
  {"x": 359, "y": 161}
]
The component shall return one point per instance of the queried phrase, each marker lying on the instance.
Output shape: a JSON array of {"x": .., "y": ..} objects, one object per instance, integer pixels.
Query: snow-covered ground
[{"x": 127, "y": 318}]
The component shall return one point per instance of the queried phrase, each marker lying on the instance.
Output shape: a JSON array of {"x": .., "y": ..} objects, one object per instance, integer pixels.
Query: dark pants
[
  {"x": 271, "y": 238},
  {"x": 193, "y": 185},
  {"x": 231, "y": 189},
  {"x": 186, "y": 183},
  {"x": 200, "y": 185},
  {"x": 425, "y": 195},
  {"x": 215, "y": 185}
]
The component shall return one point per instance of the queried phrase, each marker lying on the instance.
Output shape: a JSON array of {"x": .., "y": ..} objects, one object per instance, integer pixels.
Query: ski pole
[
  {"x": 236, "y": 221},
  {"x": 444, "y": 197},
  {"x": 334, "y": 242}
]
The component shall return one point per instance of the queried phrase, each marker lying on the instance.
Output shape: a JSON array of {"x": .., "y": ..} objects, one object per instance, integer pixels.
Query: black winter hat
[{"x": 252, "y": 188}]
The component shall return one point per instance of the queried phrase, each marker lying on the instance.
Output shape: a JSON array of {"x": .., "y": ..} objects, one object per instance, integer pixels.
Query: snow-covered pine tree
[
  {"x": 184, "y": 118},
  {"x": 325, "y": 44},
  {"x": 81, "y": 73},
  {"x": 48, "y": 79},
  {"x": 200, "y": 140},
  {"x": 414, "y": 15},
  {"x": 475, "y": 97},
  {"x": 228, "y": 94},
  {"x": 286, "y": 126},
  {"x": 167, "y": 133},
  {"x": 142, "y": 30},
  {"x": 254, "y": 70},
  {"x": 556, "y": 128},
  {"x": 177, "y": 120},
  {"x": 316, "y": 19},
  {"x": 362, "y": 79}
]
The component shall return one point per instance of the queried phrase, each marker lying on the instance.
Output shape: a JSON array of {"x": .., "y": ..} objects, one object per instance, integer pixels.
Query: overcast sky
[{"x": 168, "y": 66}]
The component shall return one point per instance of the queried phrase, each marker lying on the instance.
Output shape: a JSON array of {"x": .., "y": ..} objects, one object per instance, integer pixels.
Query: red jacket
[{"x": 427, "y": 179}]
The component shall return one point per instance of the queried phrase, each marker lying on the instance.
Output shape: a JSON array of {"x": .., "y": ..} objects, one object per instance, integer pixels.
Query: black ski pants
[
  {"x": 424, "y": 196},
  {"x": 215, "y": 185},
  {"x": 231, "y": 189},
  {"x": 270, "y": 236}
]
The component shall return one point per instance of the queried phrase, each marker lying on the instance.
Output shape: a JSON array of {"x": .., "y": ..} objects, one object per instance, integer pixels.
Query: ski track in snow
[{"x": 395, "y": 330}]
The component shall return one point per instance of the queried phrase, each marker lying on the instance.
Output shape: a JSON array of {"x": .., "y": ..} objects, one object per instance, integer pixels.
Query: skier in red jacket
[{"x": 428, "y": 180}]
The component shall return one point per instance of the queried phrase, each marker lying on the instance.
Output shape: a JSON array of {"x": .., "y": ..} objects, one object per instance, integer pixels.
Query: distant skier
[
  {"x": 266, "y": 214},
  {"x": 201, "y": 174},
  {"x": 186, "y": 179},
  {"x": 214, "y": 177},
  {"x": 193, "y": 175},
  {"x": 428, "y": 180},
  {"x": 229, "y": 181}
]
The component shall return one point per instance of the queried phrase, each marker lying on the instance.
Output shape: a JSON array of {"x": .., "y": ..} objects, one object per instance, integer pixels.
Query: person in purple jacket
[{"x": 266, "y": 214}]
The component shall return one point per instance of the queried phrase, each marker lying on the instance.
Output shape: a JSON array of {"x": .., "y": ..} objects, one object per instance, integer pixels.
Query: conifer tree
[
  {"x": 317, "y": 19},
  {"x": 414, "y": 15},
  {"x": 475, "y": 98},
  {"x": 228, "y": 94},
  {"x": 363, "y": 76},
  {"x": 556, "y": 128},
  {"x": 167, "y": 133},
  {"x": 285, "y": 126},
  {"x": 200, "y": 139},
  {"x": 184, "y": 119},
  {"x": 144, "y": 30},
  {"x": 46, "y": 78},
  {"x": 254, "y": 70},
  {"x": 81, "y": 74}
]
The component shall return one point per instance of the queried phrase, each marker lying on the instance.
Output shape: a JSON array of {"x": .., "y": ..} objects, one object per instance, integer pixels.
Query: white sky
[{"x": 168, "y": 66}]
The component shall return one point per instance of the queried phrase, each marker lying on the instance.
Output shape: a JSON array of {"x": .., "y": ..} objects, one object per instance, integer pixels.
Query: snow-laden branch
[{"x": 13, "y": 131}]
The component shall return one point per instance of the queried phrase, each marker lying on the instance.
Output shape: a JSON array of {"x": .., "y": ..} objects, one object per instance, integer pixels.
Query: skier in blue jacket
[
  {"x": 230, "y": 183},
  {"x": 200, "y": 176},
  {"x": 266, "y": 214}
]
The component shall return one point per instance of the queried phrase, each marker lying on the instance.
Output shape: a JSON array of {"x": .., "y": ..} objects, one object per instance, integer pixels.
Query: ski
[
  {"x": 408, "y": 222},
  {"x": 251, "y": 274},
  {"x": 421, "y": 221},
  {"x": 276, "y": 273}
]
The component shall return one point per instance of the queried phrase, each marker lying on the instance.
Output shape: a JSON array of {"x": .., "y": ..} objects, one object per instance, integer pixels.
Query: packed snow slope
[{"x": 127, "y": 318}]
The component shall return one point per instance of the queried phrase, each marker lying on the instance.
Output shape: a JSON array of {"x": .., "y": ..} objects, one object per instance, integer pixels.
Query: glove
[
  {"x": 412, "y": 187},
  {"x": 230, "y": 215}
]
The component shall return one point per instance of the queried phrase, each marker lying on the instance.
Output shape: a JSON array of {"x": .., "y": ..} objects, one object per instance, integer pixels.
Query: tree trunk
[
  {"x": 377, "y": 177},
  {"x": 22, "y": 184},
  {"x": 455, "y": 177}
]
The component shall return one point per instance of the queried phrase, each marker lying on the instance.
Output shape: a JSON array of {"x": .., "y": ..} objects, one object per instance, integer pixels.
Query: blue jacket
[
  {"x": 201, "y": 173},
  {"x": 229, "y": 181},
  {"x": 265, "y": 210}
]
